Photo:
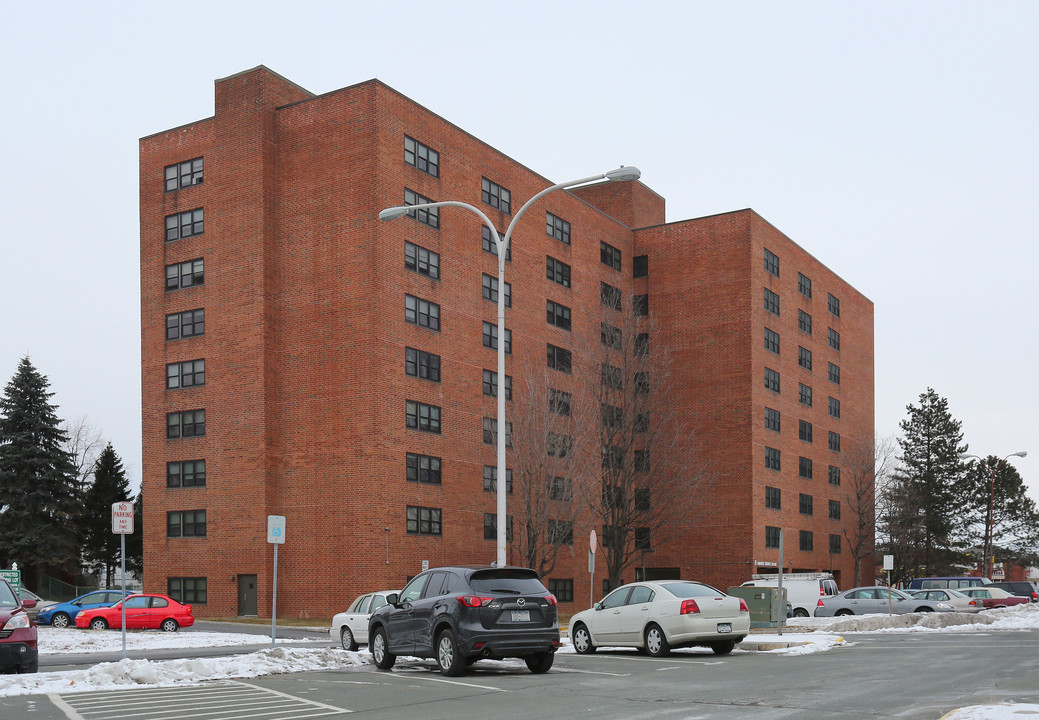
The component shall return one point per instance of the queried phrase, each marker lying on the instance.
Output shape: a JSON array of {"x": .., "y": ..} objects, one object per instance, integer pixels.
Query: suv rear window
[{"x": 521, "y": 582}]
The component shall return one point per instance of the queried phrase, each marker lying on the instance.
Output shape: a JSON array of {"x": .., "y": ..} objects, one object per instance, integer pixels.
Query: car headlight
[{"x": 17, "y": 622}]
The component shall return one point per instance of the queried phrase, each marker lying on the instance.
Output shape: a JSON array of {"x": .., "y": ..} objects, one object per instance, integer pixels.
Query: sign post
[
  {"x": 591, "y": 568},
  {"x": 276, "y": 537},
  {"x": 782, "y": 604},
  {"x": 122, "y": 525},
  {"x": 889, "y": 565}
]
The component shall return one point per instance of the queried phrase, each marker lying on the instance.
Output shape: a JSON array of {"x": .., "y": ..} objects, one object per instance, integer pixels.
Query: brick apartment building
[{"x": 290, "y": 340}]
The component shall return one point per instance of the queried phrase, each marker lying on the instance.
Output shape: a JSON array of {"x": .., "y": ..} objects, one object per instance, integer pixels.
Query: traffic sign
[
  {"x": 276, "y": 529},
  {"x": 12, "y": 576},
  {"x": 592, "y": 541},
  {"x": 122, "y": 518}
]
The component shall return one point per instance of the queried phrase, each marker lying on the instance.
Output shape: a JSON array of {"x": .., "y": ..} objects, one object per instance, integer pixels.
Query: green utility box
[{"x": 766, "y": 608}]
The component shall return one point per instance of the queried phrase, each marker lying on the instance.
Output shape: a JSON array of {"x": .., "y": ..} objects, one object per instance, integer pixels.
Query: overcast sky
[{"x": 894, "y": 141}]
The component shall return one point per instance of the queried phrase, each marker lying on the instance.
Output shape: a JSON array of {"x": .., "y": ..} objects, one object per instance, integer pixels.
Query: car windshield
[
  {"x": 516, "y": 582},
  {"x": 7, "y": 596},
  {"x": 690, "y": 589}
]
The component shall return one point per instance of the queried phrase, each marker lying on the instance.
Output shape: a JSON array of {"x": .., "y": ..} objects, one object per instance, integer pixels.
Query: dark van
[{"x": 944, "y": 583}]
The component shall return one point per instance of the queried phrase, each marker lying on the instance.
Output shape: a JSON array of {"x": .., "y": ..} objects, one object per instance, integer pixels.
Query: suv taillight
[
  {"x": 689, "y": 607},
  {"x": 473, "y": 600},
  {"x": 551, "y": 599}
]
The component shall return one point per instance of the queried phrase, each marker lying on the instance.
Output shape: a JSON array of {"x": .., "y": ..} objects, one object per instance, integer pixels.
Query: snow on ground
[{"x": 71, "y": 641}]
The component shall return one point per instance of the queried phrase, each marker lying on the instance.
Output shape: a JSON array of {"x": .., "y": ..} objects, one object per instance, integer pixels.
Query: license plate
[
  {"x": 521, "y": 616},
  {"x": 724, "y": 627}
]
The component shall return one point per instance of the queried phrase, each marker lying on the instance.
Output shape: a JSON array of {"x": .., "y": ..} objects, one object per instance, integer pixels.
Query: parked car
[
  {"x": 868, "y": 600},
  {"x": 994, "y": 597},
  {"x": 1021, "y": 588},
  {"x": 956, "y": 583},
  {"x": 459, "y": 615},
  {"x": 959, "y": 601},
  {"x": 350, "y": 628},
  {"x": 143, "y": 611},
  {"x": 31, "y": 602},
  {"x": 63, "y": 615},
  {"x": 659, "y": 616},
  {"x": 803, "y": 590},
  {"x": 18, "y": 635}
]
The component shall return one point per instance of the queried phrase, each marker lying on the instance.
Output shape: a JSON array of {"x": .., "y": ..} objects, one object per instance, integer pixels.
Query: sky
[{"x": 896, "y": 142}]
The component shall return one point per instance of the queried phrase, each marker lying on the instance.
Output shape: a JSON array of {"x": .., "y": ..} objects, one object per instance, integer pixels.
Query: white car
[
  {"x": 659, "y": 616},
  {"x": 350, "y": 628},
  {"x": 959, "y": 601}
]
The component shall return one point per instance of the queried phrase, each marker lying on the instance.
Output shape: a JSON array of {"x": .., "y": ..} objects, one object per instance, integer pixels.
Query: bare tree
[
  {"x": 84, "y": 444},
  {"x": 865, "y": 467}
]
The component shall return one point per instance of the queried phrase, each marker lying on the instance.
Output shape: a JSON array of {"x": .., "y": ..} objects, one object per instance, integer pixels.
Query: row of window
[
  {"x": 805, "y": 466},
  {"x": 772, "y": 337},
  {"x": 804, "y": 286},
  {"x": 804, "y": 392},
  {"x": 773, "y": 420},
  {"x": 773, "y": 501},
  {"x": 806, "y": 540}
]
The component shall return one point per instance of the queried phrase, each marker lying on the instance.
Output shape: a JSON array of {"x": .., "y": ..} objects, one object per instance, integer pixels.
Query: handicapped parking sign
[{"x": 276, "y": 529}]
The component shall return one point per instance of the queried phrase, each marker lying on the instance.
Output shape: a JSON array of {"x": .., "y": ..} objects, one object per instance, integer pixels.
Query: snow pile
[
  {"x": 994, "y": 712},
  {"x": 1017, "y": 617},
  {"x": 54, "y": 641}
]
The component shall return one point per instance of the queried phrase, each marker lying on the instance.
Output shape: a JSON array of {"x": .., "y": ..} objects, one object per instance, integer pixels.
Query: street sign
[
  {"x": 425, "y": 565},
  {"x": 14, "y": 577},
  {"x": 122, "y": 518},
  {"x": 889, "y": 562},
  {"x": 592, "y": 541},
  {"x": 276, "y": 529}
]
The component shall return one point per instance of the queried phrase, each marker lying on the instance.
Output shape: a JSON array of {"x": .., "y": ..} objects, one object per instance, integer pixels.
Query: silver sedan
[
  {"x": 959, "y": 601},
  {"x": 873, "y": 600}
]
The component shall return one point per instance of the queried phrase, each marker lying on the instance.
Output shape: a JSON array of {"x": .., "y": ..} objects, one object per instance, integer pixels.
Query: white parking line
[{"x": 449, "y": 682}]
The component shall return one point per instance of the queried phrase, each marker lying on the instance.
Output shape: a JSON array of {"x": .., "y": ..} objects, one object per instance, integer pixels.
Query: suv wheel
[
  {"x": 381, "y": 650},
  {"x": 61, "y": 620},
  {"x": 448, "y": 658},
  {"x": 541, "y": 662}
]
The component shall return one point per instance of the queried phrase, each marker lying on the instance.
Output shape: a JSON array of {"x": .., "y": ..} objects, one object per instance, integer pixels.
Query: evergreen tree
[
  {"x": 101, "y": 547},
  {"x": 995, "y": 485},
  {"x": 38, "y": 488}
]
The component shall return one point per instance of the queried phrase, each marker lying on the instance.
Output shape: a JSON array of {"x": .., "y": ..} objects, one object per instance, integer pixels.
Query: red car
[
  {"x": 144, "y": 610},
  {"x": 994, "y": 597},
  {"x": 18, "y": 651}
]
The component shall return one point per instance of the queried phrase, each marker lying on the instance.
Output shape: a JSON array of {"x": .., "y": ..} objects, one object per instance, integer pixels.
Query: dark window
[
  {"x": 835, "y": 441},
  {"x": 804, "y": 431},
  {"x": 835, "y": 509},
  {"x": 558, "y": 445},
  {"x": 804, "y": 504},
  {"x": 835, "y": 407},
  {"x": 642, "y": 460},
  {"x": 490, "y": 432},
  {"x": 496, "y": 196},
  {"x": 558, "y": 315},
  {"x": 642, "y": 499},
  {"x": 419, "y": 363},
  {"x": 424, "y": 158},
  {"x": 422, "y": 468},
  {"x": 561, "y": 488},
  {"x": 833, "y": 305},
  {"x": 185, "y": 274},
  {"x": 187, "y": 423},
  {"x": 185, "y": 224},
  {"x": 421, "y": 312},
  {"x": 490, "y": 337},
  {"x": 609, "y": 255},
  {"x": 490, "y": 290},
  {"x": 562, "y": 589},
  {"x": 186, "y": 523},
  {"x": 559, "y": 402},
  {"x": 612, "y": 377},
  {"x": 560, "y": 359},
  {"x": 835, "y": 544},
  {"x": 772, "y": 341},
  {"x": 771, "y": 537},
  {"x": 834, "y": 374},
  {"x": 187, "y": 590},
  {"x": 771, "y": 302},
  {"x": 835, "y": 338},
  {"x": 490, "y": 479},
  {"x": 609, "y": 295},
  {"x": 185, "y": 374},
  {"x": 804, "y": 358},
  {"x": 807, "y": 540},
  {"x": 490, "y": 527},
  {"x": 772, "y": 458},
  {"x": 423, "y": 520},
  {"x": 771, "y": 380},
  {"x": 490, "y": 384},
  {"x": 643, "y": 538},
  {"x": 611, "y": 537},
  {"x": 184, "y": 174},
  {"x": 641, "y": 347},
  {"x": 419, "y": 259},
  {"x": 640, "y": 305},
  {"x": 771, "y": 263},
  {"x": 610, "y": 336},
  {"x": 641, "y": 383},
  {"x": 426, "y": 216},
  {"x": 773, "y": 498},
  {"x": 804, "y": 285},
  {"x": 772, "y": 419},
  {"x": 835, "y": 475},
  {"x": 185, "y": 324},
  {"x": 491, "y": 245},
  {"x": 557, "y": 227},
  {"x": 186, "y": 473},
  {"x": 641, "y": 423},
  {"x": 804, "y": 468},
  {"x": 613, "y": 459},
  {"x": 421, "y": 416},
  {"x": 640, "y": 266},
  {"x": 804, "y": 322},
  {"x": 560, "y": 532},
  {"x": 557, "y": 271},
  {"x": 804, "y": 394}
]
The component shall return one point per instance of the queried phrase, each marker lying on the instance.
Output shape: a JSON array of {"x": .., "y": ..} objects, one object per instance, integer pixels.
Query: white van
[{"x": 803, "y": 590}]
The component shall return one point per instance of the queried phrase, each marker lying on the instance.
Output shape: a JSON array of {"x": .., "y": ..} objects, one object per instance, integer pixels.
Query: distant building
[{"x": 280, "y": 316}]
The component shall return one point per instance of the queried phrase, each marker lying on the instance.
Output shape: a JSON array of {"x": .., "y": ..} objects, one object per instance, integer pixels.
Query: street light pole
[
  {"x": 989, "y": 519},
  {"x": 502, "y": 244}
]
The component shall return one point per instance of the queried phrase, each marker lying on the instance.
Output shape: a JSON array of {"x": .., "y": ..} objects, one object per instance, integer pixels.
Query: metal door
[{"x": 247, "y": 595}]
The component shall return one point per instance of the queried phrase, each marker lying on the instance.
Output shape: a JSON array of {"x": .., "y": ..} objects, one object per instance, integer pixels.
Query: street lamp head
[
  {"x": 393, "y": 213},
  {"x": 1019, "y": 453},
  {"x": 629, "y": 172}
]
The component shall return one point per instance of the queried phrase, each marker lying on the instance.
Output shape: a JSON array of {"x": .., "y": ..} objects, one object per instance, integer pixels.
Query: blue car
[{"x": 64, "y": 614}]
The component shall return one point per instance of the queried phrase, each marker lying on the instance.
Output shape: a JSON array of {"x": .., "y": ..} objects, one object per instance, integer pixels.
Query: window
[
  {"x": 640, "y": 266},
  {"x": 186, "y": 473},
  {"x": 186, "y": 523},
  {"x": 771, "y": 537},
  {"x": 490, "y": 384},
  {"x": 642, "y": 539},
  {"x": 558, "y": 445},
  {"x": 804, "y": 431},
  {"x": 771, "y": 302},
  {"x": 833, "y": 305},
  {"x": 422, "y": 312},
  {"x": 562, "y": 589},
  {"x": 835, "y": 509},
  {"x": 422, "y": 469},
  {"x": 560, "y": 532},
  {"x": 613, "y": 459},
  {"x": 560, "y": 359},
  {"x": 640, "y": 305},
  {"x": 185, "y": 374},
  {"x": 612, "y": 536},
  {"x": 558, "y": 228},
  {"x": 183, "y": 174},
  {"x": 490, "y": 432},
  {"x": 642, "y": 460},
  {"x": 804, "y": 504},
  {"x": 426, "y": 216},
  {"x": 612, "y": 377},
  {"x": 804, "y": 285},
  {"x": 835, "y": 544},
  {"x": 834, "y": 338},
  {"x": 490, "y": 527},
  {"x": 490, "y": 337},
  {"x": 771, "y": 380},
  {"x": 771, "y": 263},
  {"x": 807, "y": 540},
  {"x": 771, "y": 419},
  {"x": 834, "y": 373},
  {"x": 185, "y": 224},
  {"x": 609, "y": 295},
  {"x": 418, "y": 155},
  {"x": 773, "y": 498},
  {"x": 490, "y": 479},
  {"x": 641, "y": 347},
  {"x": 188, "y": 423},
  {"x": 835, "y": 475},
  {"x": 804, "y": 358},
  {"x": 423, "y": 520},
  {"x": 557, "y": 271},
  {"x": 421, "y": 364},
  {"x": 419, "y": 259},
  {"x": 609, "y": 255},
  {"x": 610, "y": 336},
  {"x": 490, "y": 290},
  {"x": 772, "y": 458},
  {"x": 641, "y": 383},
  {"x": 187, "y": 590},
  {"x": 185, "y": 324},
  {"x": 561, "y": 488},
  {"x": 835, "y": 441},
  {"x": 642, "y": 499},
  {"x": 835, "y": 407},
  {"x": 421, "y": 416},
  {"x": 804, "y": 322},
  {"x": 804, "y": 468},
  {"x": 491, "y": 245},
  {"x": 185, "y": 274},
  {"x": 558, "y": 315},
  {"x": 804, "y": 394},
  {"x": 496, "y": 196},
  {"x": 641, "y": 423},
  {"x": 559, "y": 402},
  {"x": 772, "y": 341}
]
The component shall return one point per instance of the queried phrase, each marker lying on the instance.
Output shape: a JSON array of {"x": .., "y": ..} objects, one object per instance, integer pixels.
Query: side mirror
[
  {"x": 598, "y": 606},
  {"x": 28, "y": 603},
  {"x": 392, "y": 598}
]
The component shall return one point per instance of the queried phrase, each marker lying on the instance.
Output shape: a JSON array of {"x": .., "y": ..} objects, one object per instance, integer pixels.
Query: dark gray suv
[{"x": 459, "y": 615}]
